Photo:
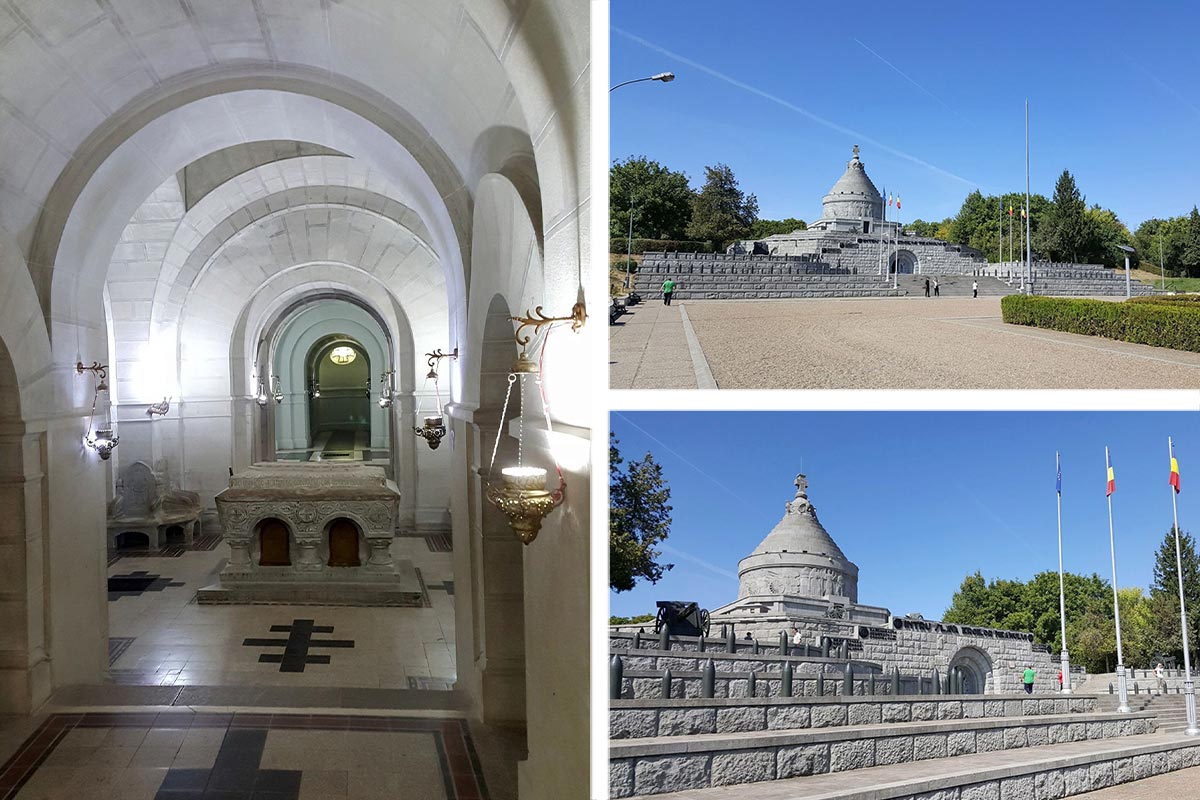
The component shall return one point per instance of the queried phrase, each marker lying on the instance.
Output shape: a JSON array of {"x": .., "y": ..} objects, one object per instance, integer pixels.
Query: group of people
[{"x": 937, "y": 288}]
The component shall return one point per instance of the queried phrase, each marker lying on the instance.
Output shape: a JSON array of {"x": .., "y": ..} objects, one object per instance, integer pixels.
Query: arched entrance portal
[
  {"x": 906, "y": 260},
  {"x": 975, "y": 666},
  {"x": 339, "y": 396}
]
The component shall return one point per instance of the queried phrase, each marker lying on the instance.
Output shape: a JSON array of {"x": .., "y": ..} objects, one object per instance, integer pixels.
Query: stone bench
[
  {"x": 664, "y": 764},
  {"x": 146, "y": 505}
]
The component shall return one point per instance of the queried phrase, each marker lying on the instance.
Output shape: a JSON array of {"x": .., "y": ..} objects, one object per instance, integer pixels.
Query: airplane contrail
[
  {"x": 906, "y": 77},
  {"x": 792, "y": 107}
]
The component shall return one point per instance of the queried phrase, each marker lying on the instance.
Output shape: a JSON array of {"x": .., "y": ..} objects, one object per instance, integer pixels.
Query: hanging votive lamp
[
  {"x": 277, "y": 391},
  {"x": 385, "y": 392},
  {"x": 101, "y": 439},
  {"x": 433, "y": 425}
]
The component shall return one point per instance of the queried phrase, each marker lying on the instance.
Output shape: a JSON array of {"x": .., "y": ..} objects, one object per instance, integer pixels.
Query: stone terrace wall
[{"x": 916, "y": 651}]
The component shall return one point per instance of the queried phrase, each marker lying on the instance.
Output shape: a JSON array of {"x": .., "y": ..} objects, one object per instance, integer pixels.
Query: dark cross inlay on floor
[
  {"x": 444, "y": 586},
  {"x": 235, "y": 772},
  {"x": 295, "y": 648},
  {"x": 135, "y": 583}
]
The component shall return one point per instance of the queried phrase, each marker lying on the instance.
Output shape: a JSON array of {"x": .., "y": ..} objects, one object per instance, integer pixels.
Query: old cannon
[{"x": 682, "y": 618}]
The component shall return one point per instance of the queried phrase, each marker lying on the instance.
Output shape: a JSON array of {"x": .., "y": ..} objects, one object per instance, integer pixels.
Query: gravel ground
[{"x": 911, "y": 343}]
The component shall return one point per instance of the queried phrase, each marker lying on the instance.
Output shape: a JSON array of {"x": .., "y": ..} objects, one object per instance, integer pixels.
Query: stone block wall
[{"x": 651, "y": 718}]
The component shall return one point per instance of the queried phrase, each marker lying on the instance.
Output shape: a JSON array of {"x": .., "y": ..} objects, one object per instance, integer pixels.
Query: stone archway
[
  {"x": 906, "y": 260},
  {"x": 976, "y": 668}
]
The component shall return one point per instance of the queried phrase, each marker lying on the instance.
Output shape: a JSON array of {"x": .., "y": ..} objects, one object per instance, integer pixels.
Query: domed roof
[
  {"x": 854, "y": 185},
  {"x": 800, "y": 531}
]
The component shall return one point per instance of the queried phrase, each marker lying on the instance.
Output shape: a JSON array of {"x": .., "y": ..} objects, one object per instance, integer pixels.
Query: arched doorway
[
  {"x": 906, "y": 260},
  {"x": 338, "y": 377},
  {"x": 343, "y": 538},
  {"x": 274, "y": 543},
  {"x": 975, "y": 666}
]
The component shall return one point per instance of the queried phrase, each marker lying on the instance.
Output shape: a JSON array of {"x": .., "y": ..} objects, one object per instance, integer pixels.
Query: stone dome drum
[
  {"x": 854, "y": 196},
  {"x": 798, "y": 558}
]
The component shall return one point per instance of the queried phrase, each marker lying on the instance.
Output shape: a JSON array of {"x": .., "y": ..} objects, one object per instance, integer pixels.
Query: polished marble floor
[
  {"x": 160, "y": 636},
  {"x": 184, "y": 755}
]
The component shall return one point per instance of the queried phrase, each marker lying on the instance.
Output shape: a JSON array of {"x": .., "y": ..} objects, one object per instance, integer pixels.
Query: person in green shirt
[
  {"x": 667, "y": 288},
  {"x": 1029, "y": 676}
]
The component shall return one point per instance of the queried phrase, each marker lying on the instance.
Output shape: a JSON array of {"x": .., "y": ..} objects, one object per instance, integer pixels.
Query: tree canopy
[
  {"x": 721, "y": 212},
  {"x": 661, "y": 200},
  {"x": 639, "y": 518},
  {"x": 762, "y": 228}
]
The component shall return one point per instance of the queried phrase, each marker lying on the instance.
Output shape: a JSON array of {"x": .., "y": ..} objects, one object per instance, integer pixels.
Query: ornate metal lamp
[
  {"x": 433, "y": 426},
  {"x": 160, "y": 409},
  {"x": 522, "y": 494},
  {"x": 385, "y": 392},
  {"x": 277, "y": 390},
  {"x": 99, "y": 439}
]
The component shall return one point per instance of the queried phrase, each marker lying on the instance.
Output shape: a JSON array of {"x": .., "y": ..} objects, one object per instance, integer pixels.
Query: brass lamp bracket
[
  {"x": 577, "y": 318},
  {"x": 433, "y": 358},
  {"x": 100, "y": 370}
]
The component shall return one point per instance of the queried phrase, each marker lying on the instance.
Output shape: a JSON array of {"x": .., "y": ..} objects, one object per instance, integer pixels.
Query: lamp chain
[{"x": 500, "y": 429}]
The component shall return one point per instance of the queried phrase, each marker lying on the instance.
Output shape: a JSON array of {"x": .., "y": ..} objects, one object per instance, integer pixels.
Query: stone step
[
  {"x": 657, "y": 717},
  {"x": 660, "y": 764},
  {"x": 1045, "y": 771}
]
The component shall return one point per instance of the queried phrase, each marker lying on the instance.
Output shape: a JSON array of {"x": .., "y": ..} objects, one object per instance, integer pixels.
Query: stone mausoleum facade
[
  {"x": 798, "y": 576},
  {"x": 853, "y": 234}
]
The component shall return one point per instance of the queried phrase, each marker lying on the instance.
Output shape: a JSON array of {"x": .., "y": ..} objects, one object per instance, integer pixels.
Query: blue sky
[
  {"x": 1111, "y": 89},
  {"x": 917, "y": 499}
]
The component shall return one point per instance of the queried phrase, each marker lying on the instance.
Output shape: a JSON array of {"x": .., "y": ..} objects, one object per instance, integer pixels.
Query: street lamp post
[{"x": 665, "y": 77}]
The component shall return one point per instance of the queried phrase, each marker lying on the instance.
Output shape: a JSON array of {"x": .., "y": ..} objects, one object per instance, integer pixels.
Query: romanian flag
[
  {"x": 889, "y": 200},
  {"x": 1175, "y": 474},
  {"x": 1112, "y": 481},
  {"x": 1010, "y": 211},
  {"x": 897, "y": 201},
  {"x": 1022, "y": 212}
]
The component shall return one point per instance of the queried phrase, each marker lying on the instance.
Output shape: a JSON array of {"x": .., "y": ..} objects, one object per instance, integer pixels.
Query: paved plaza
[{"x": 877, "y": 343}]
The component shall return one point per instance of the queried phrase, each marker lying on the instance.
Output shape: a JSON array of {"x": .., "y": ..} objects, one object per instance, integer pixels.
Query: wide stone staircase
[
  {"x": 727, "y": 277},
  {"x": 956, "y": 285},
  {"x": 1086, "y": 282},
  {"x": 695, "y": 725}
]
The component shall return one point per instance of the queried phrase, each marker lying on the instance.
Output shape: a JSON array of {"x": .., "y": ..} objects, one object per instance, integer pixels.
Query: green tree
[
  {"x": 1171, "y": 235},
  {"x": 1066, "y": 231},
  {"x": 638, "y": 519},
  {"x": 1164, "y": 593},
  {"x": 1191, "y": 244},
  {"x": 721, "y": 212},
  {"x": 762, "y": 228},
  {"x": 631, "y": 620},
  {"x": 660, "y": 198},
  {"x": 1105, "y": 235}
]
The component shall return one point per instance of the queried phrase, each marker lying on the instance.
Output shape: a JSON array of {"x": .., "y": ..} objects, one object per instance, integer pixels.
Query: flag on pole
[
  {"x": 1022, "y": 212},
  {"x": 897, "y": 201},
  {"x": 889, "y": 200},
  {"x": 1174, "y": 473},
  {"x": 1112, "y": 481},
  {"x": 1010, "y": 210},
  {"x": 1058, "y": 480}
]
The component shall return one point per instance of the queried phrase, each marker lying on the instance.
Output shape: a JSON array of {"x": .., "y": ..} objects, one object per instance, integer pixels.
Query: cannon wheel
[
  {"x": 705, "y": 623},
  {"x": 660, "y": 620}
]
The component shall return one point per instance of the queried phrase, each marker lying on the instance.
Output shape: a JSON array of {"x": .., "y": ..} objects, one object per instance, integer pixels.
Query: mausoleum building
[{"x": 798, "y": 576}]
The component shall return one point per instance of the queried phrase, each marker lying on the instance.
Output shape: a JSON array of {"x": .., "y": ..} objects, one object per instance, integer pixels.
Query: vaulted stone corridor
[{"x": 292, "y": 234}]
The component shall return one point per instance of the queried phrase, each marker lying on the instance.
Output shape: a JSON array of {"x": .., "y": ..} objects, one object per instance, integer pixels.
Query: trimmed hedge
[
  {"x": 1173, "y": 325},
  {"x": 659, "y": 246},
  {"x": 1169, "y": 300}
]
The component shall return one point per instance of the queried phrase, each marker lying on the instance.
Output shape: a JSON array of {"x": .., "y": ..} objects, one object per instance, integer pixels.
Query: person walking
[
  {"x": 974, "y": 288},
  {"x": 1060, "y": 679},
  {"x": 1160, "y": 672},
  {"x": 937, "y": 291},
  {"x": 927, "y": 287},
  {"x": 667, "y": 288},
  {"x": 1029, "y": 676}
]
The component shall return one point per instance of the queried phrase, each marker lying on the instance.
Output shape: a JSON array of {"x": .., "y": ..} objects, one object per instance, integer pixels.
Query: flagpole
[
  {"x": 1028, "y": 241},
  {"x": 883, "y": 206},
  {"x": 1122, "y": 689},
  {"x": 1062, "y": 601},
  {"x": 1189, "y": 687},
  {"x": 895, "y": 248}
]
